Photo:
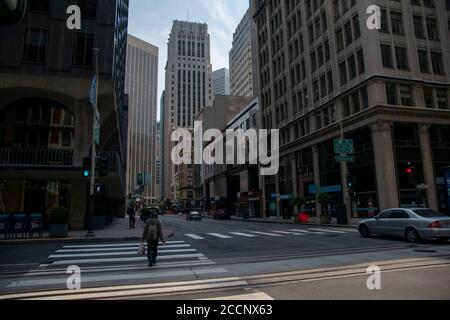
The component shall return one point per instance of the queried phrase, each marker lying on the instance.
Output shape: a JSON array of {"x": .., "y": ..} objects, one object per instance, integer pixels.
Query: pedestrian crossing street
[
  {"x": 272, "y": 233},
  {"x": 114, "y": 263}
]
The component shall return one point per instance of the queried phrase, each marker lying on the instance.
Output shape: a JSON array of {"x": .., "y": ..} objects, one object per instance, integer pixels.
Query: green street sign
[
  {"x": 345, "y": 158},
  {"x": 343, "y": 146}
]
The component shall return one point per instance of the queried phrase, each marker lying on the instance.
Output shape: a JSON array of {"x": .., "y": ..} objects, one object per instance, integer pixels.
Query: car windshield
[{"x": 428, "y": 213}]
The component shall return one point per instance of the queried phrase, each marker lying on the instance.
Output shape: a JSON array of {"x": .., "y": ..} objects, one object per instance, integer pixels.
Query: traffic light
[
  {"x": 11, "y": 11},
  {"x": 350, "y": 183},
  {"x": 87, "y": 167},
  {"x": 103, "y": 167}
]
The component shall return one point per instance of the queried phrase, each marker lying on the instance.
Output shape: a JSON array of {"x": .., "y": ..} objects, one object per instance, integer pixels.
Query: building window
[
  {"x": 428, "y": 97},
  {"x": 406, "y": 96},
  {"x": 423, "y": 61},
  {"x": 438, "y": 67},
  {"x": 402, "y": 58},
  {"x": 35, "y": 47},
  {"x": 386, "y": 54},
  {"x": 396, "y": 22},
  {"x": 391, "y": 93},
  {"x": 83, "y": 49},
  {"x": 442, "y": 99}
]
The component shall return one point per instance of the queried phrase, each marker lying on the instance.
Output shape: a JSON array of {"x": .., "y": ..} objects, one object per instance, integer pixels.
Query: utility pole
[
  {"x": 345, "y": 187},
  {"x": 90, "y": 233}
]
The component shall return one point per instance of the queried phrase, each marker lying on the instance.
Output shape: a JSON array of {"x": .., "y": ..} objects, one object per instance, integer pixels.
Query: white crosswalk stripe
[
  {"x": 194, "y": 236},
  {"x": 241, "y": 234},
  {"x": 221, "y": 236},
  {"x": 289, "y": 233},
  {"x": 326, "y": 230},
  {"x": 110, "y": 263},
  {"x": 267, "y": 234},
  {"x": 307, "y": 232}
]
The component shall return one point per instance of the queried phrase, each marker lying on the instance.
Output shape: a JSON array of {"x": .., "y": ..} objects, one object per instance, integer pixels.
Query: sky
[{"x": 151, "y": 21}]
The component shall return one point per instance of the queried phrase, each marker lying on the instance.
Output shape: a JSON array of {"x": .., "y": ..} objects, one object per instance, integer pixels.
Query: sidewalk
[
  {"x": 354, "y": 222},
  {"x": 118, "y": 230}
]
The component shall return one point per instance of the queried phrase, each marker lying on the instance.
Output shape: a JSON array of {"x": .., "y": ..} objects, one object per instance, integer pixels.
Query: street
[{"x": 237, "y": 259}]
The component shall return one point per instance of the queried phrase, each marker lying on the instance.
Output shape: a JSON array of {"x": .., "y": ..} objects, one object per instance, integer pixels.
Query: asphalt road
[{"x": 210, "y": 256}]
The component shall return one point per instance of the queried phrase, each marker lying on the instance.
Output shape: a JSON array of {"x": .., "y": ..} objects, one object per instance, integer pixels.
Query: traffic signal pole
[
  {"x": 345, "y": 187},
  {"x": 90, "y": 233}
]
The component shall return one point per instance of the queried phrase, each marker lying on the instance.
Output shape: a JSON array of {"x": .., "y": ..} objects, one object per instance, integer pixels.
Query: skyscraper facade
[
  {"x": 141, "y": 85},
  {"x": 188, "y": 87},
  {"x": 46, "y": 119},
  {"x": 325, "y": 75},
  {"x": 241, "y": 67},
  {"x": 221, "y": 82}
]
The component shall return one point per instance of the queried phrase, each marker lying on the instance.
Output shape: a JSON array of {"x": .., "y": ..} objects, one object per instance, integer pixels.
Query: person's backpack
[{"x": 152, "y": 231}]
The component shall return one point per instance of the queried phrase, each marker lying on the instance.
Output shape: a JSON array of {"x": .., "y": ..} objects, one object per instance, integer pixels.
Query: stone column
[
  {"x": 316, "y": 168},
  {"x": 294, "y": 182},
  {"x": 428, "y": 168},
  {"x": 385, "y": 165}
]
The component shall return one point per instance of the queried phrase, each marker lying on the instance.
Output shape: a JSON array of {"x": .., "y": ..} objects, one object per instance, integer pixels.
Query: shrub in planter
[{"x": 58, "y": 218}]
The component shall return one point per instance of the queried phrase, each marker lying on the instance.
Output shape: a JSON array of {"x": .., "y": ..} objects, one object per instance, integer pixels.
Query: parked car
[
  {"x": 193, "y": 216},
  {"x": 222, "y": 214},
  {"x": 413, "y": 224}
]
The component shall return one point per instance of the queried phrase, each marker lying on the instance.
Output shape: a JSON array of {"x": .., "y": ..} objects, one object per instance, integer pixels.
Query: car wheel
[
  {"x": 364, "y": 231},
  {"x": 412, "y": 235},
  {"x": 443, "y": 240}
]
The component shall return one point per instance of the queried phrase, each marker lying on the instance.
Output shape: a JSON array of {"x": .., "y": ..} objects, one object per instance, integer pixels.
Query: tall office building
[
  {"x": 45, "y": 115},
  {"x": 321, "y": 66},
  {"x": 141, "y": 85},
  {"x": 221, "y": 82},
  {"x": 241, "y": 59},
  {"x": 188, "y": 87}
]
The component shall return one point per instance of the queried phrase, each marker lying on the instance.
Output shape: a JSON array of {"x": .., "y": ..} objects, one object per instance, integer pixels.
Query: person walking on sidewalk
[
  {"x": 131, "y": 214},
  {"x": 153, "y": 232}
]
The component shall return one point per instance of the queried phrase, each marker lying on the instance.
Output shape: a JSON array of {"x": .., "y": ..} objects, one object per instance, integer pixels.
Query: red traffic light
[{"x": 408, "y": 170}]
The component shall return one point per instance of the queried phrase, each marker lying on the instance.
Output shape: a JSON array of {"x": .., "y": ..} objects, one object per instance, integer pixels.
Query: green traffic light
[{"x": 86, "y": 173}]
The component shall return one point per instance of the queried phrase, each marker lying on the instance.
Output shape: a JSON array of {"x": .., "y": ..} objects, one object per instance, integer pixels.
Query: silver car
[{"x": 413, "y": 224}]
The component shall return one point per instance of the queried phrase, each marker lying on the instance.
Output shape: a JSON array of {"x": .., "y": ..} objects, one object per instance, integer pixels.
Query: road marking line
[
  {"x": 243, "y": 297},
  {"x": 243, "y": 234},
  {"x": 117, "y": 277},
  {"x": 107, "y": 254},
  {"x": 308, "y": 232},
  {"x": 135, "y": 259},
  {"x": 267, "y": 234},
  {"x": 346, "y": 230},
  {"x": 326, "y": 230},
  {"x": 289, "y": 233},
  {"x": 118, "y": 249},
  {"x": 221, "y": 236},
  {"x": 194, "y": 236},
  {"x": 115, "y": 245}
]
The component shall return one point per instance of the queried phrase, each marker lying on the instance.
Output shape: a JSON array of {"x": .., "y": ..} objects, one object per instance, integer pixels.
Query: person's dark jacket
[{"x": 153, "y": 221}]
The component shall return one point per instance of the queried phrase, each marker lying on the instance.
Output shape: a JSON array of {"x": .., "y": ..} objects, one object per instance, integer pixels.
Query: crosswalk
[
  {"x": 102, "y": 264},
  {"x": 297, "y": 232}
]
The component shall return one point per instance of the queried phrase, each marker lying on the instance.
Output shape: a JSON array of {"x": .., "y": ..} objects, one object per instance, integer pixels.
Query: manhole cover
[{"x": 425, "y": 251}]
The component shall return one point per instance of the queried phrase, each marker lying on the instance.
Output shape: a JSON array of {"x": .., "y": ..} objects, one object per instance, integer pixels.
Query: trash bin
[{"x": 341, "y": 214}]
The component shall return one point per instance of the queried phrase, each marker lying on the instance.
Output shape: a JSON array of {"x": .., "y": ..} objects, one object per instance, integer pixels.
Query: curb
[
  {"x": 296, "y": 223},
  {"x": 72, "y": 240}
]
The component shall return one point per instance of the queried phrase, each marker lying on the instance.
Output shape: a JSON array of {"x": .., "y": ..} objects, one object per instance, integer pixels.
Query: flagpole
[{"x": 90, "y": 233}]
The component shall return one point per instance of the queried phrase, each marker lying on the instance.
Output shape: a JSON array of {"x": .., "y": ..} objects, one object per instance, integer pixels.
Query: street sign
[
  {"x": 97, "y": 124},
  {"x": 93, "y": 91},
  {"x": 343, "y": 146},
  {"x": 345, "y": 158},
  {"x": 422, "y": 187}
]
